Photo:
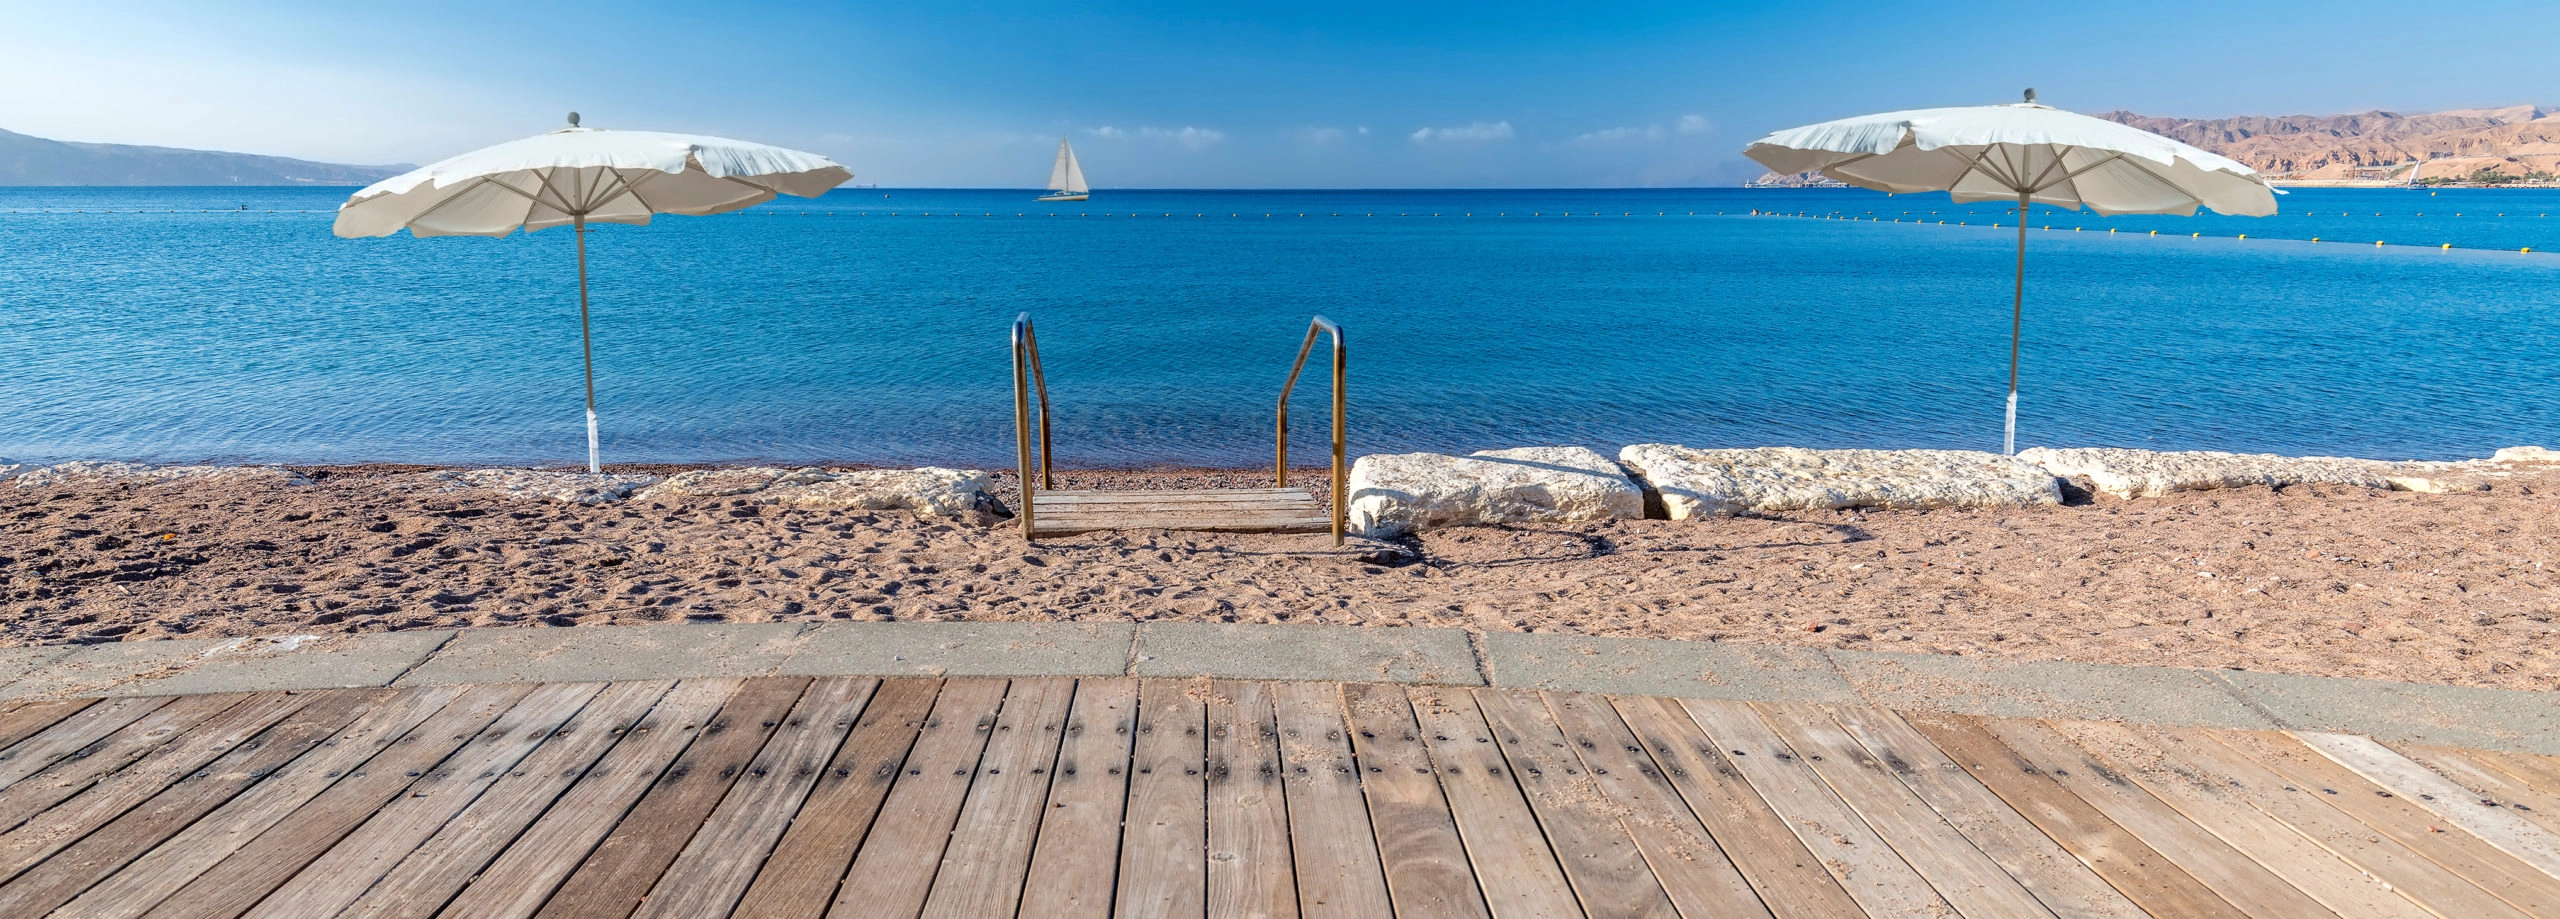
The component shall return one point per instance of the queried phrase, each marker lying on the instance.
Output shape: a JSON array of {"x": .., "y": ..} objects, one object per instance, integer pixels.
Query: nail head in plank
[
  {"x": 1692, "y": 868},
  {"x": 722, "y": 858},
  {"x": 182, "y": 743},
  {"x": 1251, "y": 870},
  {"x": 2483, "y": 816},
  {"x": 2496, "y": 780},
  {"x": 30, "y": 756}
]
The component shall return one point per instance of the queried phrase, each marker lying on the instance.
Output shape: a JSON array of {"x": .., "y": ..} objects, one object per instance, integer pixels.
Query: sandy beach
[{"x": 2451, "y": 588}]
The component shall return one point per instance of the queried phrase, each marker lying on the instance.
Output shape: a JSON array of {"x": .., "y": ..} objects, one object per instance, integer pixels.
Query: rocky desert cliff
[{"x": 2517, "y": 140}]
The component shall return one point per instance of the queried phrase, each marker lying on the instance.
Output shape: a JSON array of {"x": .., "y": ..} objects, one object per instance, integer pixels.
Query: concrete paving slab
[
  {"x": 16, "y": 663},
  {"x": 2461, "y": 716},
  {"x": 963, "y": 649},
  {"x": 195, "y": 666},
  {"x": 1651, "y": 667},
  {"x": 638, "y": 652},
  {"x": 2012, "y": 688},
  {"x": 1305, "y": 652}
]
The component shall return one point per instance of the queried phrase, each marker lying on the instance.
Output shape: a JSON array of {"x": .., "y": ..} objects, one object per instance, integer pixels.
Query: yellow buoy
[
  {"x": 2244, "y": 236},
  {"x": 2448, "y": 245},
  {"x": 2155, "y": 232},
  {"x": 2377, "y": 242}
]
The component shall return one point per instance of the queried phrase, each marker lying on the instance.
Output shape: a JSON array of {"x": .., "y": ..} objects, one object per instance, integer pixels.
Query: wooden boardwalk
[
  {"x": 852, "y": 796},
  {"x": 1221, "y": 510}
]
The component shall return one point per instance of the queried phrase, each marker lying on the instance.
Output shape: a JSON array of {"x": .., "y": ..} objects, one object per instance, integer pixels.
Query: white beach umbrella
[
  {"x": 2020, "y": 152},
  {"x": 576, "y": 176}
]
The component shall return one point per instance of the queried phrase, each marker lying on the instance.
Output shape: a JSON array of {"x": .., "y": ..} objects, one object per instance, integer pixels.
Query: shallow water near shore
[{"x": 869, "y": 325}]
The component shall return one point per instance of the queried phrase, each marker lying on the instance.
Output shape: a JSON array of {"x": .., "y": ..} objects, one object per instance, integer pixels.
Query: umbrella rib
[
  {"x": 2173, "y": 186},
  {"x": 2076, "y": 173},
  {"x": 476, "y": 181}
]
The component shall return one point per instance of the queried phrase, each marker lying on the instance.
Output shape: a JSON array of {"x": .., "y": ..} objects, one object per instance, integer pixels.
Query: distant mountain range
[
  {"x": 2376, "y": 146},
  {"x": 2518, "y": 143},
  {"x": 28, "y": 160}
]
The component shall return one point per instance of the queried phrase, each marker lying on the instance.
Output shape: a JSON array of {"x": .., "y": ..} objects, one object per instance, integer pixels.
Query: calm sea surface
[{"x": 870, "y": 325}]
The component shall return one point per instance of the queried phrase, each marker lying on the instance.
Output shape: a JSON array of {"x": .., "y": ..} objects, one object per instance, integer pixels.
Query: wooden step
[{"x": 1218, "y": 510}]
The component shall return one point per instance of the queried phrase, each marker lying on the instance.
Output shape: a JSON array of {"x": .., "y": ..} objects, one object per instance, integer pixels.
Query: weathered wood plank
[
  {"x": 2541, "y": 773},
  {"x": 524, "y": 876},
  {"x": 1075, "y": 863},
  {"x": 1095, "y": 495},
  {"x": 1608, "y": 870},
  {"x": 2061, "y": 882},
  {"x": 990, "y": 850},
  {"x": 1250, "y": 863},
  {"x": 256, "y": 869},
  {"x": 715, "y": 867},
  {"x": 1517, "y": 869},
  {"x": 2505, "y": 781},
  {"x": 1683, "y": 856},
  {"x": 70, "y": 735},
  {"x": 2151, "y": 880},
  {"x": 158, "y": 735},
  {"x": 622, "y": 868},
  {"x": 26, "y": 719},
  {"x": 2411, "y": 874},
  {"x": 1204, "y": 525},
  {"x": 261, "y": 801},
  {"x": 1340, "y": 875},
  {"x": 2483, "y": 816},
  {"x": 1789, "y": 880},
  {"x": 111, "y": 847},
  {"x": 893, "y": 873},
  {"x": 1164, "y": 844},
  {"x": 441, "y": 866},
  {"x": 2402, "y": 820},
  {"x": 1860, "y": 860},
  {"x": 396, "y": 829},
  {"x": 799, "y": 879},
  {"x": 1420, "y": 852},
  {"x": 2240, "y": 880},
  {"x": 181, "y": 746},
  {"x": 2343, "y": 887},
  {"x": 1975, "y": 883}
]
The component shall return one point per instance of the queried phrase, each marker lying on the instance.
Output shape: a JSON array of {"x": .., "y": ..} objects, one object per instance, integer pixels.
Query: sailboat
[{"x": 1066, "y": 179}]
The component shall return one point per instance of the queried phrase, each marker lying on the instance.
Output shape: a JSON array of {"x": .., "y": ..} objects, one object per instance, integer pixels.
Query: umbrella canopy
[
  {"x": 2022, "y": 152},
  {"x": 576, "y": 176}
]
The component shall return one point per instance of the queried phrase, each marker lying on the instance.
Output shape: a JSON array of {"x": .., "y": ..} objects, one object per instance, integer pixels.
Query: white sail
[{"x": 1067, "y": 176}]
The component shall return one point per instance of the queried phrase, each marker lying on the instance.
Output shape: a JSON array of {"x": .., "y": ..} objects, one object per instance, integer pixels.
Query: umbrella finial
[
  {"x": 2031, "y": 100},
  {"x": 573, "y": 116}
]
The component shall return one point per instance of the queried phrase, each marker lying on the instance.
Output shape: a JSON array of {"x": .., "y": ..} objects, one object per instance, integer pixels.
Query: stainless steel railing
[
  {"x": 1026, "y": 376},
  {"x": 1320, "y": 325}
]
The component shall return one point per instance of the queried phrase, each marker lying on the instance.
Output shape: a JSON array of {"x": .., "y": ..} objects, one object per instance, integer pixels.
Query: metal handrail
[
  {"x": 1319, "y": 325},
  {"x": 1026, "y": 375}
]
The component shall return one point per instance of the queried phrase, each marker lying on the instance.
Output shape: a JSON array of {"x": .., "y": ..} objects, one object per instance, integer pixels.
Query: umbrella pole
[
  {"x": 2017, "y": 321},
  {"x": 587, "y": 340}
]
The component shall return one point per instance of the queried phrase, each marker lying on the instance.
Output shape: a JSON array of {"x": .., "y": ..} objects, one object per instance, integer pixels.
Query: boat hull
[{"x": 1062, "y": 197}]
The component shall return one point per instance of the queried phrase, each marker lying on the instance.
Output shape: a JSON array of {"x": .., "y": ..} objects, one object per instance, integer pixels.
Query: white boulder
[
  {"x": 2525, "y": 455},
  {"x": 1397, "y": 493},
  {"x": 930, "y": 491},
  {"x": 2127, "y": 473},
  {"x": 544, "y": 484},
  {"x": 1695, "y": 483},
  {"x": 59, "y": 473}
]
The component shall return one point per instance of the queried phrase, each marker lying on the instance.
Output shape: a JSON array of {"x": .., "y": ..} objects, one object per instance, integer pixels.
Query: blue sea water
[{"x": 870, "y": 325}]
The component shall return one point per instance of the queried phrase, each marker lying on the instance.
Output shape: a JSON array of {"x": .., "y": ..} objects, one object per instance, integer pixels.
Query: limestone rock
[
  {"x": 1694, "y": 482},
  {"x": 2150, "y": 473},
  {"x": 931, "y": 491},
  {"x": 1397, "y": 493},
  {"x": 542, "y": 484},
  {"x": 2525, "y": 455},
  {"x": 59, "y": 473}
]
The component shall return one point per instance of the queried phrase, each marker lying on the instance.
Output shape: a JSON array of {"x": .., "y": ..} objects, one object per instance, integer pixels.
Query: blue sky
[{"x": 1306, "y": 94}]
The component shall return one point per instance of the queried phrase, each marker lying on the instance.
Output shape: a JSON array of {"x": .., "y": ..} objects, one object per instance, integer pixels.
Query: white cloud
[
  {"x": 1187, "y": 136},
  {"x": 1693, "y": 124},
  {"x": 1364, "y": 130},
  {"x": 1474, "y": 131},
  {"x": 1616, "y": 135},
  {"x": 1106, "y": 131}
]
